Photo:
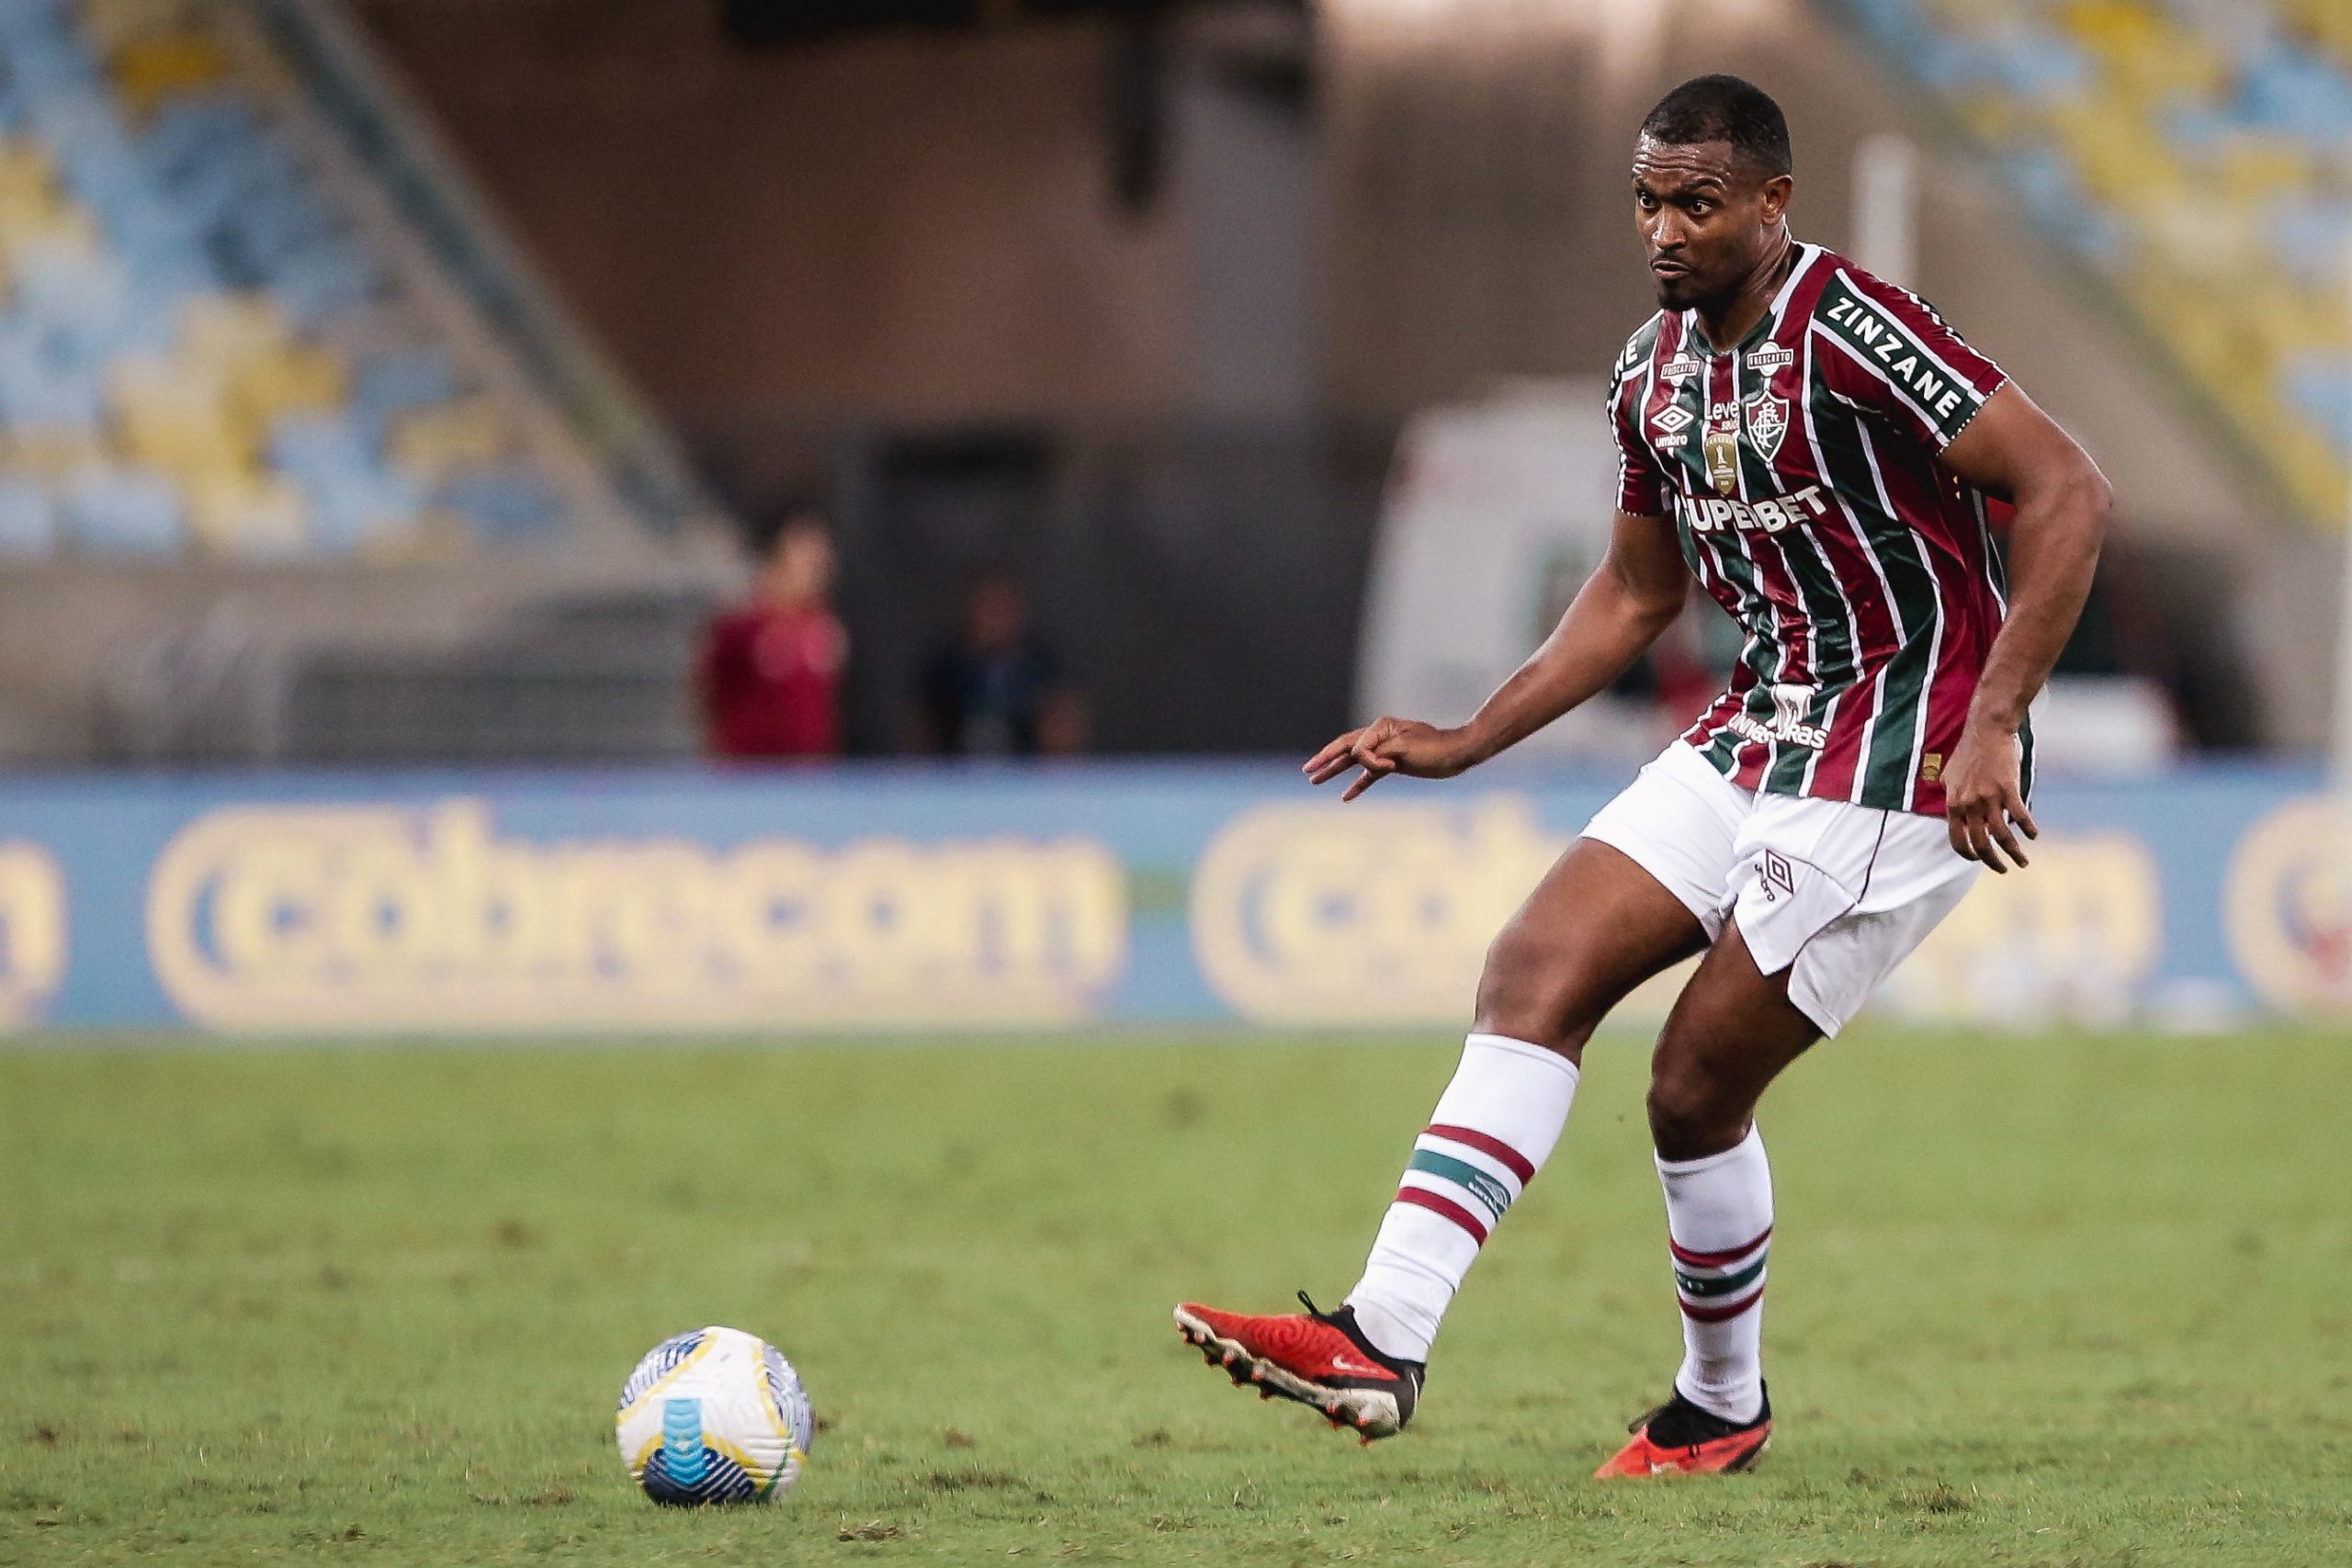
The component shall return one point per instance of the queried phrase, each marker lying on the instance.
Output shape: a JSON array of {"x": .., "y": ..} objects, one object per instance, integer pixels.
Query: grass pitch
[{"x": 2037, "y": 1300}]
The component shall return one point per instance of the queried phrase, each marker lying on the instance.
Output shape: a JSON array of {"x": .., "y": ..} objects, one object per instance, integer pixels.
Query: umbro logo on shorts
[{"x": 1778, "y": 877}]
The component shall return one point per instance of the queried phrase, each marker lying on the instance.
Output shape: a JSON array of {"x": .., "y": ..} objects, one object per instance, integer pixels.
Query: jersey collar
[{"x": 1768, "y": 324}]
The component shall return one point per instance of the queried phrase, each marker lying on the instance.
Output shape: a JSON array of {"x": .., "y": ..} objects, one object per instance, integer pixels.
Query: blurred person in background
[
  {"x": 770, "y": 672},
  {"x": 996, "y": 690}
]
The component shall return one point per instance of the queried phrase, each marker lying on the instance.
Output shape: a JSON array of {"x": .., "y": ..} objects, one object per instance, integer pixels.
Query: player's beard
[{"x": 1683, "y": 293}]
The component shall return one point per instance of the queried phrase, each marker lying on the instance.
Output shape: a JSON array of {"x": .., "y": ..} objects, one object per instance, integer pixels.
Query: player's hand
[
  {"x": 1388, "y": 746},
  {"x": 1985, "y": 795}
]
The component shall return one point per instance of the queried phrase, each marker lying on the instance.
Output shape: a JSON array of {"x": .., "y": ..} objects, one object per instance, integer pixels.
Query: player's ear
[{"x": 1777, "y": 190}]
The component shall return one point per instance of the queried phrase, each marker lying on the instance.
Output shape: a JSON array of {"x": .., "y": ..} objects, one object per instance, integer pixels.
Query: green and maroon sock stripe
[
  {"x": 1436, "y": 1203},
  {"x": 1712, "y": 1287},
  {"x": 1723, "y": 1313},
  {"x": 1471, "y": 1177},
  {"x": 1494, "y": 1149},
  {"x": 1717, "y": 1259}
]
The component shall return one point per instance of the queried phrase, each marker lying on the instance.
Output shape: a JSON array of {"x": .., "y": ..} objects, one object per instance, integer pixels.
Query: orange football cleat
[
  {"x": 1680, "y": 1438},
  {"x": 1317, "y": 1358}
]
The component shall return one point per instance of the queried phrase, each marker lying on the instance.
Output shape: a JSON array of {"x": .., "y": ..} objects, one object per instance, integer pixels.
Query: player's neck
[{"x": 1728, "y": 322}]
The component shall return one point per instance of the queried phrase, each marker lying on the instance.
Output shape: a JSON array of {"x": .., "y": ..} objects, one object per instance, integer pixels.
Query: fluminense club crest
[{"x": 1768, "y": 421}]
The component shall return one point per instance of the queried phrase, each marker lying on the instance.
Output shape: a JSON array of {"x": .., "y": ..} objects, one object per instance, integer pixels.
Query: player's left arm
[{"x": 2013, "y": 450}]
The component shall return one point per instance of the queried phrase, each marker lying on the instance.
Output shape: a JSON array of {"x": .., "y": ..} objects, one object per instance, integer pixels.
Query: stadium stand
[
  {"x": 2198, "y": 153},
  {"x": 298, "y": 460},
  {"x": 216, "y": 338}
]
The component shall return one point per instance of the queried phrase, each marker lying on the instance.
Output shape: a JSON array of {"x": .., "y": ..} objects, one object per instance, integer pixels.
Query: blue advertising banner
[{"x": 887, "y": 897}]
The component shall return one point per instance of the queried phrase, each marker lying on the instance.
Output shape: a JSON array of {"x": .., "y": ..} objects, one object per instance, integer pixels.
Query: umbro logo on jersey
[
  {"x": 1672, "y": 420},
  {"x": 1771, "y": 357}
]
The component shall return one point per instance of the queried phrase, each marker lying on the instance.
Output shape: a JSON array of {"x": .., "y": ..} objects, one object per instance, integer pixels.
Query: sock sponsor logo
[
  {"x": 1469, "y": 1178},
  {"x": 1466, "y": 1175},
  {"x": 1713, "y": 1287}
]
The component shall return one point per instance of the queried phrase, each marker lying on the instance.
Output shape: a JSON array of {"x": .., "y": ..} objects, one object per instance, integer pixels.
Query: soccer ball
[{"x": 713, "y": 1415}]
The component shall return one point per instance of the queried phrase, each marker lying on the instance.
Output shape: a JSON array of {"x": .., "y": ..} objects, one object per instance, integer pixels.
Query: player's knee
[
  {"x": 1693, "y": 1111},
  {"x": 1529, "y": 990}
]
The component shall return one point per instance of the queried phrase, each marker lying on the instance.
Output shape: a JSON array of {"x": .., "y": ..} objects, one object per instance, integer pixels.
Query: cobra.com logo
[{"x": 378, "y": 918}]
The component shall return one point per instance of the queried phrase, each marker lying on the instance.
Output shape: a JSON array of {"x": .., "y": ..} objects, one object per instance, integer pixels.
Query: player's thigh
[{"x": 1597, "y": 926}]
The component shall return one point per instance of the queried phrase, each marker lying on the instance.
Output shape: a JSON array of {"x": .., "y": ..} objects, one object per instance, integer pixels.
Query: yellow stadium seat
[
  {"x": 148, "y": 70},
  {"x": 221, "y": 333},
  {"x": 62, "y": 225},
  {"x": 299, "y": 379},
  {"x": 2255, "y": 167},
  {"x": 432, "y": 443},
  {"x": 238, "y": 515},
  {"x": 110, "y": 24},
  {"x": 53, "y": 452},
  {"x": 176, "y": 420}
]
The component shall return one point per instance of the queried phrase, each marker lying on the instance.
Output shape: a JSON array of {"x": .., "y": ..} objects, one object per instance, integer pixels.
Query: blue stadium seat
[
  {"x": 118, "y": 511},
  {"x": 27, "y": 522},
  {"x": 506, "y": 506}
]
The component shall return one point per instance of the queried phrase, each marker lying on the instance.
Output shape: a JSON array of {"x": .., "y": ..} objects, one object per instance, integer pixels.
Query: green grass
[{"x": 2039, "y": 1301}]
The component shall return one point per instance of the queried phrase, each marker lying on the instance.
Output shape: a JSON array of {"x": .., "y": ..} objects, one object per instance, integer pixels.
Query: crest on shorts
[{"x": 1768, "y": 421}]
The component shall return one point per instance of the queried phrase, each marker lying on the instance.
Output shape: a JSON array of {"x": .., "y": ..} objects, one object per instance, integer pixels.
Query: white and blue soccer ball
[{"x": 713, "y": 1415}]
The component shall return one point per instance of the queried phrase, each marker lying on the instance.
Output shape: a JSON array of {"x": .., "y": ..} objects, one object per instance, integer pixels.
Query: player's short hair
[{"x": 1724, "y": 109}]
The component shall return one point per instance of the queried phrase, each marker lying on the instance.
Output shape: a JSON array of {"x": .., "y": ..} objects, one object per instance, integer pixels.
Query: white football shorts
[{"x": 1836, "y": 893}]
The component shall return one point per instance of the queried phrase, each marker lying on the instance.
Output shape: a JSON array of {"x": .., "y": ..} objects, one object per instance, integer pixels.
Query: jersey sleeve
[
  {"x": 1641, "y": 484},
  {"x": 1892, "y": 354}
]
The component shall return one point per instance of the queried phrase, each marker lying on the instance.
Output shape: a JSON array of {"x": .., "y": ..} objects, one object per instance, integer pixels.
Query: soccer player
[{"x": 1816, "y": 446}]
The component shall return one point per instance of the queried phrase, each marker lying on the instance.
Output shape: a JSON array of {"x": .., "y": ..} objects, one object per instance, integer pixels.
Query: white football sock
[
  {"x": 1493, "y": 1128},
  {"x": 1719, "y": 1223}
]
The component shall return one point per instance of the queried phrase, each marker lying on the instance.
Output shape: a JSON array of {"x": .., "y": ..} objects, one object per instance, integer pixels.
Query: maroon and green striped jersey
[{"x": 1800, "y": 468}]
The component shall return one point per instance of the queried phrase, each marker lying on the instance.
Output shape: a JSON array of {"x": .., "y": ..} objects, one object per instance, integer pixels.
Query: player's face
[{"x": 1706, "y": 220}]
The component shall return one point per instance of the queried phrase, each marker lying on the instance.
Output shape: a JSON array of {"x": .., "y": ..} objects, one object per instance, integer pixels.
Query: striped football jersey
[{"x": 1800, "y": 471}]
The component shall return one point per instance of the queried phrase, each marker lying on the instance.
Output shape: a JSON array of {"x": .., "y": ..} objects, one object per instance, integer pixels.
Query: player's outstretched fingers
[
  {"x": 2007, "y": 841},
  {"x": 1982, "y": 823},
  {"x": 1956, "y": 830},
  {"x": 1333, "y": 760},
  {"x": 1968, "y": 834},
  {"x": 2020, "y": 815},
  {"x": 1375, "y": 768}
]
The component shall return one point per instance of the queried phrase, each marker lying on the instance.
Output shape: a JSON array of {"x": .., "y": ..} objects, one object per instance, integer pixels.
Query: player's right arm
[{"x": 1626, "y": 605}]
